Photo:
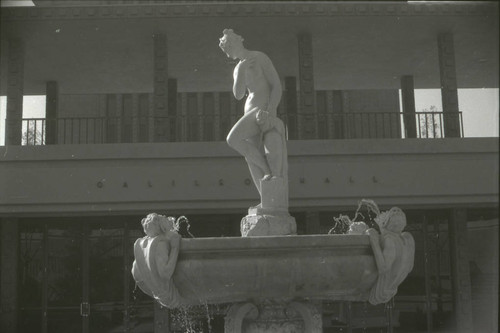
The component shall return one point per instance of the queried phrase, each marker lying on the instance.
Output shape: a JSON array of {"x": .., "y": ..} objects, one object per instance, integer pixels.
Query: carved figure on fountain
[
  {"x": 155, "y": 259},
  {"x": 394, "y": 252}
]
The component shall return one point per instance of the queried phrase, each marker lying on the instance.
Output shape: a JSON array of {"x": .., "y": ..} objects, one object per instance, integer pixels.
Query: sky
[
  {"x": 480, "y": 109},
  {"x": 16, "y": 3}
]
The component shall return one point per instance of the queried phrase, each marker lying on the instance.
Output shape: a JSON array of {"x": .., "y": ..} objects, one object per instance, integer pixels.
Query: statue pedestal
[
  {"x": 272, "y": 223},
  {"x": 274, "y": 317},
  {"x": 271, "y": 217},
  {"x": 274, "y": 193}
]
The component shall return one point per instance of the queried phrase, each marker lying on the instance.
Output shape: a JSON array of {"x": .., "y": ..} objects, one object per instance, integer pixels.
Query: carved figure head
[
  {"x": 154, "y": 224},
  {"x": 393, "y": 220},
  {"x": 230, "y": 43},
  {"x": 357, "y": 228}
]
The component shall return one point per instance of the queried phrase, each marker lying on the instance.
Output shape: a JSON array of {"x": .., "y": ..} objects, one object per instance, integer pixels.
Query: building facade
[{"x": 138, "y": 105}]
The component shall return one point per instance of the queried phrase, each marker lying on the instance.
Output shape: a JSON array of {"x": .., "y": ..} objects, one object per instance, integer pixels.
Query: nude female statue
[{"x": 258, "y": 135}]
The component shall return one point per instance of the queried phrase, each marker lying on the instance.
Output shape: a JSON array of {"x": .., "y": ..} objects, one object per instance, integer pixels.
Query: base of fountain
[{"x": 274, "y": 317}]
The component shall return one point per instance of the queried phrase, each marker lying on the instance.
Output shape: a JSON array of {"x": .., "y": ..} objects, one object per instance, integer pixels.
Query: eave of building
[
  {"x": 357, "y": 45},
  {"x": 106, "y": 9}
]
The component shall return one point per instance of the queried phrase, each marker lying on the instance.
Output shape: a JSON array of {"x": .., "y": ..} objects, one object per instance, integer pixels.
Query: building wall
[
  {"x": 110, "y": 49},
  {"x": 190, "y": 177},
  {"x": 84, "y": 105}
]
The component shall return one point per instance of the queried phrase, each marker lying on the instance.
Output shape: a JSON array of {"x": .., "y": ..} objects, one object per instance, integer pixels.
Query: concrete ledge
[{"x": 296, "y": 148}]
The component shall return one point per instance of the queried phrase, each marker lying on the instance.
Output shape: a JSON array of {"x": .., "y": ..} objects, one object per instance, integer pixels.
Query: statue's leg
[
  {"x": 238, "y": 139},
  {"x": 256, "y": 172},
  {"x": 273, "y": 145}
]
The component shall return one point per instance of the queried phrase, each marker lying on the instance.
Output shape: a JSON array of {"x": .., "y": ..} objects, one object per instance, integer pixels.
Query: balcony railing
[{"x": 366, "y": 125}]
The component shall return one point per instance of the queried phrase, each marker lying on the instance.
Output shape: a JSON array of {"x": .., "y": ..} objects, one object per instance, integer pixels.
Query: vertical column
[
  {"x": 111, "y": 119},
  {"x": 172, "y": 109},
  {"x": 408, "y": 100},
  {"x": 348, "y": 123},
  {"x": 85, "y": 305},
  {"x": 119, "y": 114},
  {"x": 160, "y": 88},
  {"x": 313, "y": 226},
  {"x": 136, "y": 121},
  {"x": 330, "y": 117},
  {"x": 51, "y": 111},
  {"x": 162, "y": 319},
  {"x": 291, "y": 106},
  {"x": 184, "y": 117},
  {"x": 218, "y": 136},
  {"x": 103, "y": 123},
  {"x": 427, "y": 275},
  {"x": 199, "y": 116},
  {"x": 461, "y": 283},
  {"x": 307, "y": 119},
  {"x": 15, "y": 89},
  {"x": 126, "y": 275},
  {"x": 448, "y": 78},
  {"x": 151, "y": 118},
  {"x": 338, "y": 118},
  {"x": 8, "y": 275}
]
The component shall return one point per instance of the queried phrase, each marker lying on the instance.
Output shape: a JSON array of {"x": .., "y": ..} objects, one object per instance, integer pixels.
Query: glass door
[
  {"x": 31, "y": 278},
  {"x": 107, "y": 276},
  {"x": 74, "y": 276},
  {"x": 64, "y": 277},
  {"x": 50, "y": 290}
]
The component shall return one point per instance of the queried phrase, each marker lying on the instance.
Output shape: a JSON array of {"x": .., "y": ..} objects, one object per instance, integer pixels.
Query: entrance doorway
[{"x": 75, "y": 276}]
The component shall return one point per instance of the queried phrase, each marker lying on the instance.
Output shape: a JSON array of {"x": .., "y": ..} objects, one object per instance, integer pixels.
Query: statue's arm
[
  {"x": 161, "y": 257},
  {"x": 383, "y": 258},
  {"x": 169, "y": 265},
  {"x": 377, "y": 251},
  {"x": 410, "y": 250},
  {"x": 273, "y": 79},
  {"x": 389, "y": 254},
  {"x": 239, "y": 85}
]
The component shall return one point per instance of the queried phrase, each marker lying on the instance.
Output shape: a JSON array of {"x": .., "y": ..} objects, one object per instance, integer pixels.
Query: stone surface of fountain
[{"x": 280, "y": 277}]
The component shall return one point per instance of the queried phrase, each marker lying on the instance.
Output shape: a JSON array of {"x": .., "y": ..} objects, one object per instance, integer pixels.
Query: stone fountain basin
[{"x": 312, "y": 267}]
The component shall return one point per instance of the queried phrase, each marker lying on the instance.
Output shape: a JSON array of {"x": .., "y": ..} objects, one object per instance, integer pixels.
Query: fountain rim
[{"x": 280, "y": 243}]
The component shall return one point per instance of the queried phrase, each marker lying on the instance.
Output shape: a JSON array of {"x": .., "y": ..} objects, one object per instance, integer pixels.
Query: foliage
[
  {"x": 32, "y": 136},
  {"x": 430, "y": 123}
]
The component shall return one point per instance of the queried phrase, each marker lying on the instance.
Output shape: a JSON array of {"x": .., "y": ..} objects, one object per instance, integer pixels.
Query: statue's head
[
  {"x": 155, "y": 224},
  {"x": 230, "y": 43},
  {"x": 393, "y": 220},
  {"x": 357, "y": 228}
]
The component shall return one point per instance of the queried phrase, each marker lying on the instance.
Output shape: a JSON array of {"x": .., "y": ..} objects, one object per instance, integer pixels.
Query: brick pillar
[
  {"x": 461, "y": 283},
  {"x": 160, "y": 88},
  {"x": 51, "y": 111},
  {"x": 15, "y": 90},
  {"x": 291, "y": 106},
  {"x": 8, "y": 275},
  {"x": 408, "y": 100},
  {"x": 448, "y": 76},
  {"x": 308, "y": 128}
]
